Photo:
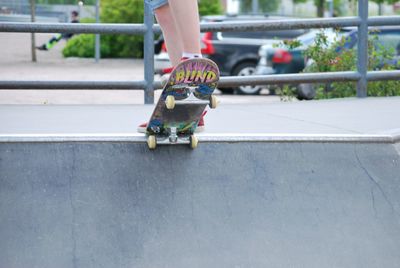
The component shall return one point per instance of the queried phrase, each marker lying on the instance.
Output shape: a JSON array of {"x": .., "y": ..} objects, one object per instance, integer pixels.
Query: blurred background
[{"x": 120, "y": 57}]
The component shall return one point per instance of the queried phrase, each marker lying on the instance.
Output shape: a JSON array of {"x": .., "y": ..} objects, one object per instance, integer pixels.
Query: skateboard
[{"x": 185, "y": 96}]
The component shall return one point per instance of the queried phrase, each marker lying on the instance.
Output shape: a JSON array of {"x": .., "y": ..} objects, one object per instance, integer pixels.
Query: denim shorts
[{"x": 154, "y": 4}]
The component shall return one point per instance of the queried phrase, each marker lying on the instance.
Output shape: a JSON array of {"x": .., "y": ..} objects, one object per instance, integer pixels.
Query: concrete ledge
[
  {"x": 210, "y": 138},
  {"x": 243, "y": 204}
]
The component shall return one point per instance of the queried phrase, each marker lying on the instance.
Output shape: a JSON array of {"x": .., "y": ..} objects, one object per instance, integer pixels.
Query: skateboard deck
[{"x": 183, "y": 100}]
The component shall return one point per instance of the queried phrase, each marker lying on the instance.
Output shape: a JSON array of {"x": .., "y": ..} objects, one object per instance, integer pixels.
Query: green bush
[
  {"x": 112, "y": 46},
  {"x": 123, "y": 11},
  {"x": 210, "y": 7},
  {"x": 64, "y": 2},
  {"x": 326, "y": 58},
  {"x": 82, "y": 45},
  {"x": 264, "y": 6},
  {"x": 121, "y": 46}
]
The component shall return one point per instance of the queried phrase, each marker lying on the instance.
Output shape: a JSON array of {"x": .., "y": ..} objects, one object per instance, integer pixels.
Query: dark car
[
  {"x": 236, "y": 53},
  {"x": 283, "y": 61}
]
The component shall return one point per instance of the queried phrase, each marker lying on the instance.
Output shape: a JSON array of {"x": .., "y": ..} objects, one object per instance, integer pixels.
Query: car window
[
  {"x": 309, "y": 38},
  {"x": 390, "y": 40}
]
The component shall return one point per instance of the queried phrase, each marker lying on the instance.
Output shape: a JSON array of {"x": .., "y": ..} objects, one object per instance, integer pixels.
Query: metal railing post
[
  {"x": 254, "y": 6},
  {"x": 97, "y": 36},
  {"x": 362, "y": 52},
  {"x": 148, "y": 55}
]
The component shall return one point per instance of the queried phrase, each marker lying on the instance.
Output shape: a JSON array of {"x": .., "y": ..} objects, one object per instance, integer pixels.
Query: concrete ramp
[{"x": 226, "y": 204}]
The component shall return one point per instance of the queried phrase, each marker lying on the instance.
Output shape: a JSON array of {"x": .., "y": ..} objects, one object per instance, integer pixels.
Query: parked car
[
  {"x": 280, "y": 60},
  {"x": 236, "y": 53},
  {"x": 283, "y": 61}
]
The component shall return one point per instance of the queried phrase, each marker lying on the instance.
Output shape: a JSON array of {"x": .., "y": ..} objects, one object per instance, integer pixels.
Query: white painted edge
[{"x": 217, "y": 137}]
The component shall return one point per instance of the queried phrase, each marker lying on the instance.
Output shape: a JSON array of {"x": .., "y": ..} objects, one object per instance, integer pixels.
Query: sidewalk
[{"x": 15, "y": 64}]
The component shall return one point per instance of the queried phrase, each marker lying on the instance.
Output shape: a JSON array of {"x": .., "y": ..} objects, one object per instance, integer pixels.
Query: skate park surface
[
  {"x": 272, "y": 184},
  {"x": 302, "y": 184}
]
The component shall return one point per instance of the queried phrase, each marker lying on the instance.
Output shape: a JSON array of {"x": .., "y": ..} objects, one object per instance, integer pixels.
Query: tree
[
  {"x": 112, "y": 45},
  {"x": 264, "y": 6},
  {"x": 123, "y": 11},
  {"x": 210, "y": 7},
  {"x": 322, "y": 4},
  {"x": 381, "y": 2}
]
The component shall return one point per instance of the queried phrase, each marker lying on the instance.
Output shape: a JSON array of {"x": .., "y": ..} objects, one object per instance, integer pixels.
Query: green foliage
[
  {"x": 327, "y": 59},
  {"x": 65, "y": 2},
  {"x": 264, "y": 6},
  {"x": 390, "y": 2},
  {"x": 123, "y": 11},
  {"x": 210, "y": 7},
  {"x": 299, "y": 1},
  {"x": 286, "y": 92},
  {"x": 83, "y": 46},
  {"x": 322, "y": 5},
  {"x": 338, "y": 5},
  {"x": 112, "y": 46},
  {"x": 290, "y": 44},
  {"x": 122, "y": 46},
  {"x": 87, "y": 20}
]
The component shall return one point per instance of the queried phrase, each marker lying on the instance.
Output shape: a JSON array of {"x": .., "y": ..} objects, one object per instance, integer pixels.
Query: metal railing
[{"x": 148, "y": 29}]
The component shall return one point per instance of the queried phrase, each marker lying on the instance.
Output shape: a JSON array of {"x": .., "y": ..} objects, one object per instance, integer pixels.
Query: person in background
[{"x": 56, "y": 38}]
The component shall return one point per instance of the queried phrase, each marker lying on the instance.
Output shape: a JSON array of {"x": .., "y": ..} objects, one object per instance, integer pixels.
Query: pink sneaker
[
  {"x": 167, "y": 70},
  {"x": 170, "y": 69},
  {"x": 200, "y": 125},
  {"x": 142, "y": 128}
]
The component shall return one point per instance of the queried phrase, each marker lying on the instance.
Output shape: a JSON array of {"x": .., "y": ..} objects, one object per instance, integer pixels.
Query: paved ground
[
  {"x": 348, "y": 116},
  {"x": 15, "y": 64}
]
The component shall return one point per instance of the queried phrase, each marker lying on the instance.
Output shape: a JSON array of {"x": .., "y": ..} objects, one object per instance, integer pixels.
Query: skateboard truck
[
  {"x": 170, "y": 101},
  {"x": 172, "y": 138}
]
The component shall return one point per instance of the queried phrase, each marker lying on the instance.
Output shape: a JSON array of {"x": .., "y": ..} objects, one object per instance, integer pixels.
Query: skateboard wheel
[
  {"x": 170, "y": 102},
  {"x": 193, "y": 142},
  {"x": 152, "y": 142},
  {"x": 213, "y": 102}
]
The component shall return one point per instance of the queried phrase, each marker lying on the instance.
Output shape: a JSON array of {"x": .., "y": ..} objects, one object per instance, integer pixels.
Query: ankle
[{"x": 191, "y": 55}]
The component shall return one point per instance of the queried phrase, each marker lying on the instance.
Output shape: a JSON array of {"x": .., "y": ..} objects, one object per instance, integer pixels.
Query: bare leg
[
  {"x": 171, "y": 35},
  {"x": 186, "y": 16},
  {"x": 181, "y": 29}
]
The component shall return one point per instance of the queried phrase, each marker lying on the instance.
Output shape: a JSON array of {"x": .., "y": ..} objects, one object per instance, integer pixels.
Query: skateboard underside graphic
[{"x": 182, "y": 103}]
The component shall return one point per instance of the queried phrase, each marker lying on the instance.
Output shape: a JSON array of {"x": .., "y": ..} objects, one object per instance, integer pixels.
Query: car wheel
[
  {"x": 246, "y": 69},
  {"x": 305, "y": 92}
]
